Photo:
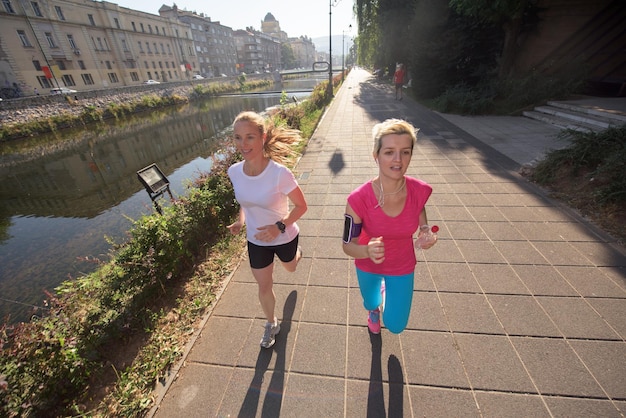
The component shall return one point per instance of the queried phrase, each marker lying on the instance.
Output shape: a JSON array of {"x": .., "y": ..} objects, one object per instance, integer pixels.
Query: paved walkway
[{"x": 519, "y": 310}]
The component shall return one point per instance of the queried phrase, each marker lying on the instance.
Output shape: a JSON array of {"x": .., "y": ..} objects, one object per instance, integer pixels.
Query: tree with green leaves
[
  {"x": 394, "y": 19},
  {"x": 288, "y": 57},
  {"x": 511, "y": 15},
  {"x": 369, "y": 31},
  {"x": 448, "y": 49}
]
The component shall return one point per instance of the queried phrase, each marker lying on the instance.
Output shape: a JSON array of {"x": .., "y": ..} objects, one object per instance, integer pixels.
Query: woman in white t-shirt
[{"x": 264, "y": 187}]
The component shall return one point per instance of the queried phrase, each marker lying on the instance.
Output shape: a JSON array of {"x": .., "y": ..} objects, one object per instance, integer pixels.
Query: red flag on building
[{"x": 47, "y": 72}]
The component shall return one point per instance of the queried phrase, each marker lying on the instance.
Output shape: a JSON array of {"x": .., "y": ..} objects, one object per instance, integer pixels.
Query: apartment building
[
  {"x": 304, "y": 51},
  {"x": 214, "y": 42},
  {"x": 87, "y": 45},
  {"x": 256, "y": 51}
]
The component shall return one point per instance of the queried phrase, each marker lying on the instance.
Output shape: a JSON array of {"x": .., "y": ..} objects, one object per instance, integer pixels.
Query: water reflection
[{"x": 60, "y": 200}]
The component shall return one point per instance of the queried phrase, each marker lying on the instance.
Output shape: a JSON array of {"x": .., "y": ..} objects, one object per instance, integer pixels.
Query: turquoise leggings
[{"x": 398, "y": 297}]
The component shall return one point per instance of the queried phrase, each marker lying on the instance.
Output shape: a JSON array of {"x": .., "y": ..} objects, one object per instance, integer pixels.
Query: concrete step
[
  {"x": 615, "y": 116},
  {"x": 568, "y": 115},
  {"x": 561, "y": 122}
]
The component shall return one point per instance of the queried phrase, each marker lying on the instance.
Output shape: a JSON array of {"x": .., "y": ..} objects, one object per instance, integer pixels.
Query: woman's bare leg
[{"x": 265, "y": 280}]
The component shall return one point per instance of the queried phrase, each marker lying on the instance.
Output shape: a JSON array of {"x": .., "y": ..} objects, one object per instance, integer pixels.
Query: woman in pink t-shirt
[{"x": 382, "y": 217}]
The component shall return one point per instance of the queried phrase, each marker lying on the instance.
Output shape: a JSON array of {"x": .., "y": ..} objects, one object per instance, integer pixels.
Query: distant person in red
[{"x": 398, "y": 80}]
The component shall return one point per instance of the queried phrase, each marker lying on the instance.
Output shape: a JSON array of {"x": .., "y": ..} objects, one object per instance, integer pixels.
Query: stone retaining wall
[{"x": 26, "y": 109}]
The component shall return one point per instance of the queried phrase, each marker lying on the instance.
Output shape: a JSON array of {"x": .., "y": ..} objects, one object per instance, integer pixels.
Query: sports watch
[{"x": 281, "y": 227}]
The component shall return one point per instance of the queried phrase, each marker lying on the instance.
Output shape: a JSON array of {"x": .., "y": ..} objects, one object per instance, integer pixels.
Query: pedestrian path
[{"x": 519, "y": 310}]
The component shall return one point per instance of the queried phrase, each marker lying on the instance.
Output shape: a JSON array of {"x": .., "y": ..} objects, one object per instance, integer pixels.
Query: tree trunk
[{"x": 512, "y": 30}]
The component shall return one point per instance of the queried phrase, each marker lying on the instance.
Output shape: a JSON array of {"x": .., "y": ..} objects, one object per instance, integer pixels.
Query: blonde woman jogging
[
  {"x": 382, "y": 217},
  {"x": 264, "y": 187}
]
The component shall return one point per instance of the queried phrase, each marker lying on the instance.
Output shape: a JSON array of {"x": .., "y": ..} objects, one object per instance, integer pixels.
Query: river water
[{"x": 70, "y": 190}]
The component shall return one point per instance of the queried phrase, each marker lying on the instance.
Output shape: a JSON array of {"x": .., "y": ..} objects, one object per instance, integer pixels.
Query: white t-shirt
[{"x": 264, "y": 200}]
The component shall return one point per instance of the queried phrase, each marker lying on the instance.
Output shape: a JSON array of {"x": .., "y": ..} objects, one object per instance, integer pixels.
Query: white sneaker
[{"x": 269, "y": 336}]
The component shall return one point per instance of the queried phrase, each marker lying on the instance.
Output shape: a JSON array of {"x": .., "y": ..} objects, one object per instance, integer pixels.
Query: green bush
[
  {"x": 599, "y": 158},
  {"x": 509, "y": 95},
  {"x": 464, "y": 99},
  {"x": 48, "y": 361}
]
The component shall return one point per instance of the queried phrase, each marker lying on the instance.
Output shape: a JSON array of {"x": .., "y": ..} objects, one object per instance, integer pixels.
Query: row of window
[
  {"x": 100, "y": 44},
  {"x": 8, "y": 7},
  {"x": 211, "y": 29},
  {"x": 68, "y": 80},
  {"x": 156, "y": 50},
  {"x": 109, "y": 66}
]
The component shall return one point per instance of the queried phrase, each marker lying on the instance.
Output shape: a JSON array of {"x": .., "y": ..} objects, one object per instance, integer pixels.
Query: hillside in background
[{"x": 321, "y": 44}]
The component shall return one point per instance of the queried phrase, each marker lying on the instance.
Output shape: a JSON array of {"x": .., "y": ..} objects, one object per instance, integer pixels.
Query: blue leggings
[{"x": 398, "y": 297}]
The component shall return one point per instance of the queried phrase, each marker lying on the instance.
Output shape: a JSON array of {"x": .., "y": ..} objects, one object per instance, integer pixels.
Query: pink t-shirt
[{"x": 397, "y": 232}]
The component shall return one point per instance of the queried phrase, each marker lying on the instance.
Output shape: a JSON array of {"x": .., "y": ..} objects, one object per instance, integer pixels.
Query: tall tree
[
  {"x": 448, "y": 49},
  {"x": 369, "y": 32},
  {"x": 509, "y": 14},
  {"x": 394, "y": 19}
]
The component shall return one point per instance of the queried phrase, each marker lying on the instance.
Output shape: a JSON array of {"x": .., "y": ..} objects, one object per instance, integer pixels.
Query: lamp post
[
  {"x": 343, "y": 53},
  {"x": 329, "y": 91}
]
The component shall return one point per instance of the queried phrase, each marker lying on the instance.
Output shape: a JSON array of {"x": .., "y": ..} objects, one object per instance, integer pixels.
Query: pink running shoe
[{"x": 373, "y": 321}]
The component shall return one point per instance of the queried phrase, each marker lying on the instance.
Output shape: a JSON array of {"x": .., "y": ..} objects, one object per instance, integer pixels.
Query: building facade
[
  {"x": 270, "y": 26},
  {"x": 302, "y": 47},
  {"x": 89, "y": 45},
  {"x": 304, "y": 51},
  {"x": 257, "y": 52},
  {"x": 214, "y": 43}
]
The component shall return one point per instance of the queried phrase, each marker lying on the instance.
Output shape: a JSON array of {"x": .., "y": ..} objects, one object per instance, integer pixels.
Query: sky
[{"x": 296, "y": 17}]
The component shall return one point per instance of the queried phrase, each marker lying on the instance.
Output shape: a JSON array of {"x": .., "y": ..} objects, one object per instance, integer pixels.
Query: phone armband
[{"x": 350, "y": 229}]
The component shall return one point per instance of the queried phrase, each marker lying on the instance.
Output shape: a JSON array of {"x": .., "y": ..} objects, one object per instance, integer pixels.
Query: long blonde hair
[{"x": 279, "y": 141}]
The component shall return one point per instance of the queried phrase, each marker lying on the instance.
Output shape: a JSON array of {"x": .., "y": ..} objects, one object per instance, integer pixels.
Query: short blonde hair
[{"x": 393, "y": 126}]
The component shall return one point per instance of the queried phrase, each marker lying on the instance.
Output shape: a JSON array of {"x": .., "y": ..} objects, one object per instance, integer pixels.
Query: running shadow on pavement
[
  {"x": 396, "y": 387},
  {"x": 376, "y": 396},
  {"x": 274, "y": 396}
]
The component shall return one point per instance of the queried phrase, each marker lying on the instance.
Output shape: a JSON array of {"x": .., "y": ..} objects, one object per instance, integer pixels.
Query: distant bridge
[{"x": 318, "y": 68}]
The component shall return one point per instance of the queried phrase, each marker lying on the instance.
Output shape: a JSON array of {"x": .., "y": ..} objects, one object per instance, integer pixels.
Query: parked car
[
  {"x": 151, "y": 82},
  {"x": 62, "y": 90},
  {"x": 198, "y": 77}
]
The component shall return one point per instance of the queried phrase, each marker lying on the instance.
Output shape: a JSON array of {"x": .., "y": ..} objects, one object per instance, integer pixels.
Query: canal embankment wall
[{"x": 26, "y": 109}]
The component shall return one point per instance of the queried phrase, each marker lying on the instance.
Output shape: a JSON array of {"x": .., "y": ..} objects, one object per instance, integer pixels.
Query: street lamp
[
  {"x": 343, "y": 53},
  {"x": 329, "y": 91}
]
